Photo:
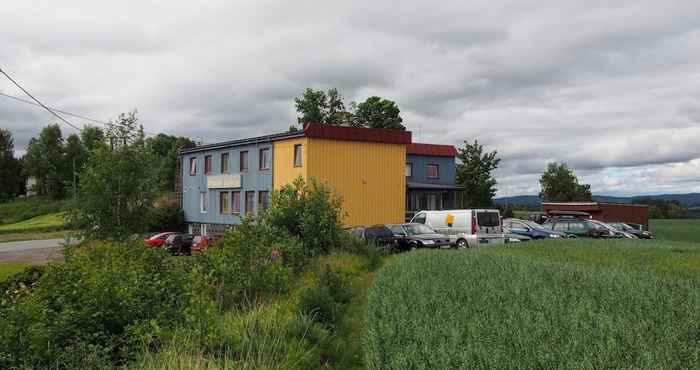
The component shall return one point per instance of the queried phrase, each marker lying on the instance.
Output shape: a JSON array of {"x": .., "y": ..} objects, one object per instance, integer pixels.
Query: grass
[
  {"x": 24, "y": 209},
  {"x": 34, "y": 235},
  {"x": 43, "y": 223},
  {"x": 687, "y": 230},
  {"x": 551, "y": 304},
  {"x": 8, "y": 269}
]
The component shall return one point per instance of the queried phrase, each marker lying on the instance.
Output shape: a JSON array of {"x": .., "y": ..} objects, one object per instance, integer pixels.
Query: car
[
  {"x": 617, "y": 232},
  {"x": 379, "y": 235},
  {"x": 530, "y": 229},
  {"x": 179, "y": 243},
  {"x": 638, "y": 232},
  {"x": 158, "y": 239},
  {"x": 413, "y": 235},
  {"x": 578, "y": 228},
  {"x": 465, "y": 227},
  {"x": 201, "y": 242},
  {"x": 514, "y": 238}
]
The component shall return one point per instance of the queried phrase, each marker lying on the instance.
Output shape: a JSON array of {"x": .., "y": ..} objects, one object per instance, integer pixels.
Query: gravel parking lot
[{"x": 31, "y": 251}]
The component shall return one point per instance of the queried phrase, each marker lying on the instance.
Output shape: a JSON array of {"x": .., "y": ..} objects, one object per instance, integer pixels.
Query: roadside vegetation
[
  {"x": 8, "y": 269},
  {"x": 23, "y": 209},
  {"x": 266, "y": 295},
  {"x": 684, "y": 230}
]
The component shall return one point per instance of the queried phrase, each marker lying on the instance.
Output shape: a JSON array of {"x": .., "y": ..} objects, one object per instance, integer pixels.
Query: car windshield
[
  {"x": 417, "y": 229},
  {"x": 601, "y": 225},
  {"x": 533, "y": 225}
]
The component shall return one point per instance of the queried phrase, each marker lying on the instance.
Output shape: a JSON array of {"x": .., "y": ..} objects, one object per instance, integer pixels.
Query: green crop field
[
  {"x": 8, "y": 269},
  {"x": 687, "y": 230},
  {"x": 568, "y": 304}
]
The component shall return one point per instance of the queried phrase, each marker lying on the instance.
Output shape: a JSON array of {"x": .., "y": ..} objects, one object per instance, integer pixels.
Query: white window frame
[
  {"x": 408, "y": 169},
  {"x": 298, "y": 156},
  {"x": 263, "y": 163},
  {"x": 203, "y": 202}
]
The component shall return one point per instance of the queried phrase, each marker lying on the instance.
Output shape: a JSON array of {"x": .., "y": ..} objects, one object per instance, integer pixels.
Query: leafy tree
[
  {"x": 474, "y": 175},
  {"x": 118, "y": 186},
  {"x": 45, "y": 162},
  {"x": 11, "y": 180},
  {"x": 313, "y": 106},
  {"x": 75, "y": 158},
  {"x": 165, "y": 148},
  {"x": 560, "y": 184},
  {"x": 92, "y": 137},
  {"x": 376, "y": 112},
  {"x": 660, "y": 208}
]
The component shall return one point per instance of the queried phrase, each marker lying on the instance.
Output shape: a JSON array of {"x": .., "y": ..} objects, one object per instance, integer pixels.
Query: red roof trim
[
  {"x": 376, "y": 135},
  {"x": 435, "y": 150}
]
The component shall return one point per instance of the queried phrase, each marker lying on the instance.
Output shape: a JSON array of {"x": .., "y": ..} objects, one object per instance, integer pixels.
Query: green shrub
[
  {"x": 19, "y": 284},
  {"x": 325, "y": 300},
  {"x": 167, "y": 217},
  {"x": 483, "y": 309},
  {"x": 251, "y": 261},
  {"x": 106, "y": 298},
  {"x": 308, "y": 211}
]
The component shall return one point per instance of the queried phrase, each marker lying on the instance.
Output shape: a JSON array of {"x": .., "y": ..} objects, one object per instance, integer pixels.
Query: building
[
  {"x": 430, "y": 177},
  {"x": 218, "y": 183},
  {"x": 634, "y": 213}
]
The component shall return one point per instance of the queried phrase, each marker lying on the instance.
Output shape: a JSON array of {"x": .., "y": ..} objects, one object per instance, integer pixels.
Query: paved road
[{"x": 27, "y": 245}]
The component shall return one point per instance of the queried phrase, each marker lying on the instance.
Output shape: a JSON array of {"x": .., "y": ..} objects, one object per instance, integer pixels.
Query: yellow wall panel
[
  {"x": 368, "y": 176},
  {"x": 284, "y": 170}
]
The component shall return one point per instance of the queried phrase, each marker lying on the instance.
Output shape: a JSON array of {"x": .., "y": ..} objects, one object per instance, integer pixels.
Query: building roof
[
  {"x": 435, "y": 150},
  {"x": 320, "y": 131},
  {"x": 377, "y": 135},
  {"x": 591, "y": 204}
]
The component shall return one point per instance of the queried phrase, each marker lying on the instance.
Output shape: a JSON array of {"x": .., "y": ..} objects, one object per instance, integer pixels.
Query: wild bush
[
  {"x": 325, "y": 300},
  {"x": 310, "y": 211},
  {"x": 107, "y": 299}
]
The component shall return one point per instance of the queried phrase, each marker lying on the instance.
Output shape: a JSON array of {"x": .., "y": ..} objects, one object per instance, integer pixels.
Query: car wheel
[
  {"x": 462, "y": 244},
  {"x": 412, "y": 246}
]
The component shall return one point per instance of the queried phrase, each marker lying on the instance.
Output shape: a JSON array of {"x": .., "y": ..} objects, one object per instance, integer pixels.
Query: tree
[
  {"x": 560, "y": 184},
  {"x": 74, "y": 160},
  {"x": 376, "y": 112},
  {"x": 45, "y": 162},
  {"x": 11, "y": 180},
  {"x": 165, "y": 148},
  {"x": 92, "y": 137},
  {"x": 118, "y": 185},
  {"x": 312, "y": 105},
  {"x": 474, "y": 175}
]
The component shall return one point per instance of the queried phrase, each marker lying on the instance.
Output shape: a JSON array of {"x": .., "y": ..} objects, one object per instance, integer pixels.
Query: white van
[{"x": 466, "y": 227}]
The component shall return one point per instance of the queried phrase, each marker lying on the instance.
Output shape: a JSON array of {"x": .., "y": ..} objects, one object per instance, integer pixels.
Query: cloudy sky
[{"x": 613, "y": 90}]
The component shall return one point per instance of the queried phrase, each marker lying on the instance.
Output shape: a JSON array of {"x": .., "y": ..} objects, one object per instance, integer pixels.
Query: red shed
[{"x": 635, "y": 213}]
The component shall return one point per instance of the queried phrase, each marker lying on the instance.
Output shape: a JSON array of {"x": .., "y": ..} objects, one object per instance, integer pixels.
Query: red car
[
  {"x": 201, "y": 243},
  {"x": 158, "y": 240}
]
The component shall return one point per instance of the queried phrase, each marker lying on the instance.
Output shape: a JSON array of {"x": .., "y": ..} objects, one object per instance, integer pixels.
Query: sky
[{"x": 612, "y": 90}]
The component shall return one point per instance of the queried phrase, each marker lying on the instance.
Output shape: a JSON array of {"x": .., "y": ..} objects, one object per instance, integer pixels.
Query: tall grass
[
  {"x": 43, "y": 223},
  {"x": 488, "y": 309},
  {"x": 685, "y": 230},
  {"x": 24, "y": 209}
]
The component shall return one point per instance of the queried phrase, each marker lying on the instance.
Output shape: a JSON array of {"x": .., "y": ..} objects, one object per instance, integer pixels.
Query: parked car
[
  {"x": 514, "y": 238},
  {"x": 578, "y": 228},
  {"x": 201, "y": 242},
  {"x": 379, "y": 235},
  {"x": 157, "y": 240},
  {"x": 179, "y": 243},
  {"x": 638, "y": 232},
  {"x": 465, "y": 227},
  {"x": 412, "y": 235},
  {"x": 530, "y": 229},
  {"x": 617, "y": 232}
]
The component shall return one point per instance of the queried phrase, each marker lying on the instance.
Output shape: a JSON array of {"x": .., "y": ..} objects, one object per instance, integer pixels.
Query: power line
[
  {"x": 54, "y": 110},
  {"x": 38, "y": 102}
]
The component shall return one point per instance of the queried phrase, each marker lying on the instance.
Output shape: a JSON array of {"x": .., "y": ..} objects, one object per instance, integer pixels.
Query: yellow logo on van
[{"x": 449, "y": 219}]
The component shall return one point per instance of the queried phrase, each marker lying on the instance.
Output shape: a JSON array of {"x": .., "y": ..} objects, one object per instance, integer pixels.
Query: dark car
[
  {"x": 530, "y": 229},
  {"x": 636, "y": 231},
  {"x": 179, "y": 243},
  {"x": 410, "y": 236},
  {"x": 379, "y": 235},
  {"x": 578, "y": 228}
]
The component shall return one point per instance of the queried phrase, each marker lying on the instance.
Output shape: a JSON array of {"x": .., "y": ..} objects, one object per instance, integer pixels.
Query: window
[
  {"x": 577, "y": 226},
  {"x": 419, "y": 219},
  {"x": 264, "y": 159},
  {"x": 297, "y": 155},
  {"x": 561, "y": 226},
  {"x": 263, "y": 199},
  {"x": 224, "y": 162},
  {"x": 433, "y": 171},
  {"x": 203, "y": 202},
  {"x": 409, "y": 169},
  {"x": 236, "y": 201},
  {"x": 249, "y": 201},
  {"x": 244, "y": 161},
  {"x": 224, "y": 203},
  {"x": 193, "y": 166},
  {"x": 207, "y": 164}
]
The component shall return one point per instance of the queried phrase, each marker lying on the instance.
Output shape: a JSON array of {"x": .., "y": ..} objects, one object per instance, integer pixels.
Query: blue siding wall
[
  {"x": 252, "y": 180},
  {"x": 420, "y": 162}
]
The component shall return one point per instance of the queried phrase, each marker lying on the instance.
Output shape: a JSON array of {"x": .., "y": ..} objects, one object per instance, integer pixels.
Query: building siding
[
  {"x": 420, "y": 163},
  {"x": 368, "y": 176},
  {"x": 252, "y": 180},
  {"x": 283, "y": 163}
]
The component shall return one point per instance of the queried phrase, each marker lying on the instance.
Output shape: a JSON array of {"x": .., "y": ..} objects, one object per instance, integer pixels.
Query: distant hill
[{"x": 686, "y": 200}]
